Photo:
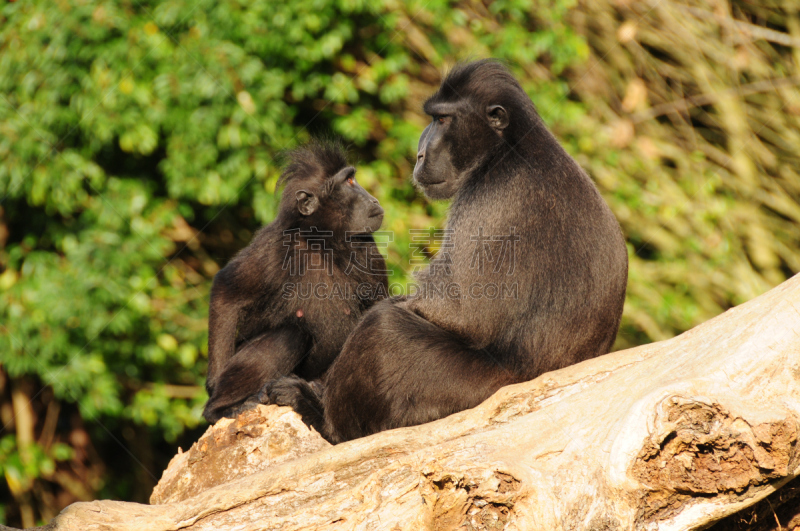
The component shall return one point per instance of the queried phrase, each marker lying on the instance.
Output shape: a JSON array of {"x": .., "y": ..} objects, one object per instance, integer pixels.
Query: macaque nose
[{"x": 420, "y": 156}]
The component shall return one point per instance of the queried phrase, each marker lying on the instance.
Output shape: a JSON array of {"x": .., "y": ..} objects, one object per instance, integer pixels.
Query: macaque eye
[
  {"x": 351, "y": 181},
  {"x": 441, "y": 118}
]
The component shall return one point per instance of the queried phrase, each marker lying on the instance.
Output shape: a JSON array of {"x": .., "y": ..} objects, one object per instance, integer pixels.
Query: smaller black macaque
[{"x": 288, "y": 301}]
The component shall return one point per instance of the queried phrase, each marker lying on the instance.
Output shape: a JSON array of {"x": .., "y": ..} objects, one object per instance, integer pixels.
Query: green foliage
[
  {"x": 708, "y": 195},
  {"x": 21, "y": 466},
  {"x": 139, "y": 143}
]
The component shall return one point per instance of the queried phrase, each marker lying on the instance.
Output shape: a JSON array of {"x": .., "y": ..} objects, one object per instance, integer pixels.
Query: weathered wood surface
[
  {"x": 256, "y": 440},
  {"x": 669, "y": 436}
]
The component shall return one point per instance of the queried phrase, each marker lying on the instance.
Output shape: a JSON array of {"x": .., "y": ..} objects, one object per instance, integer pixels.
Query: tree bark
[{"x": 676, "y": 435}]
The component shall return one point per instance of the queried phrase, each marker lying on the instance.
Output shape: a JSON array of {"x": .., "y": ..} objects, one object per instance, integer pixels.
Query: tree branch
[{"x": 675, "y": 435}]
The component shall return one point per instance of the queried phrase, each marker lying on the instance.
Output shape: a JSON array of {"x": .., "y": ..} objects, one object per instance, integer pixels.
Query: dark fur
[
  {"x": 255, "y": 333},
  {"x": 415, "y": 360}
]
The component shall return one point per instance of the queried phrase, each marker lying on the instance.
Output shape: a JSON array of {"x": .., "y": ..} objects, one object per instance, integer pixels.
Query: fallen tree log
[{"x": 675, "y": 435}]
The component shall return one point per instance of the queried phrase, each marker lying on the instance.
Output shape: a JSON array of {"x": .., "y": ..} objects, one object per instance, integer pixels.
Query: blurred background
[{"x": 138, "y": 144}]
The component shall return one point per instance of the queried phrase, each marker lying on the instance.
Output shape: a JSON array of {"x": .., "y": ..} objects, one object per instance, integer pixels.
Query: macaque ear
[
  {"x": 498, "y": 116},
  {"x": 307, "y": 203}
]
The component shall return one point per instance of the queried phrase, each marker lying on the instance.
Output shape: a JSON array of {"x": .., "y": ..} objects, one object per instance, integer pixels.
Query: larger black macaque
[{"x": 530, "y": 278}]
